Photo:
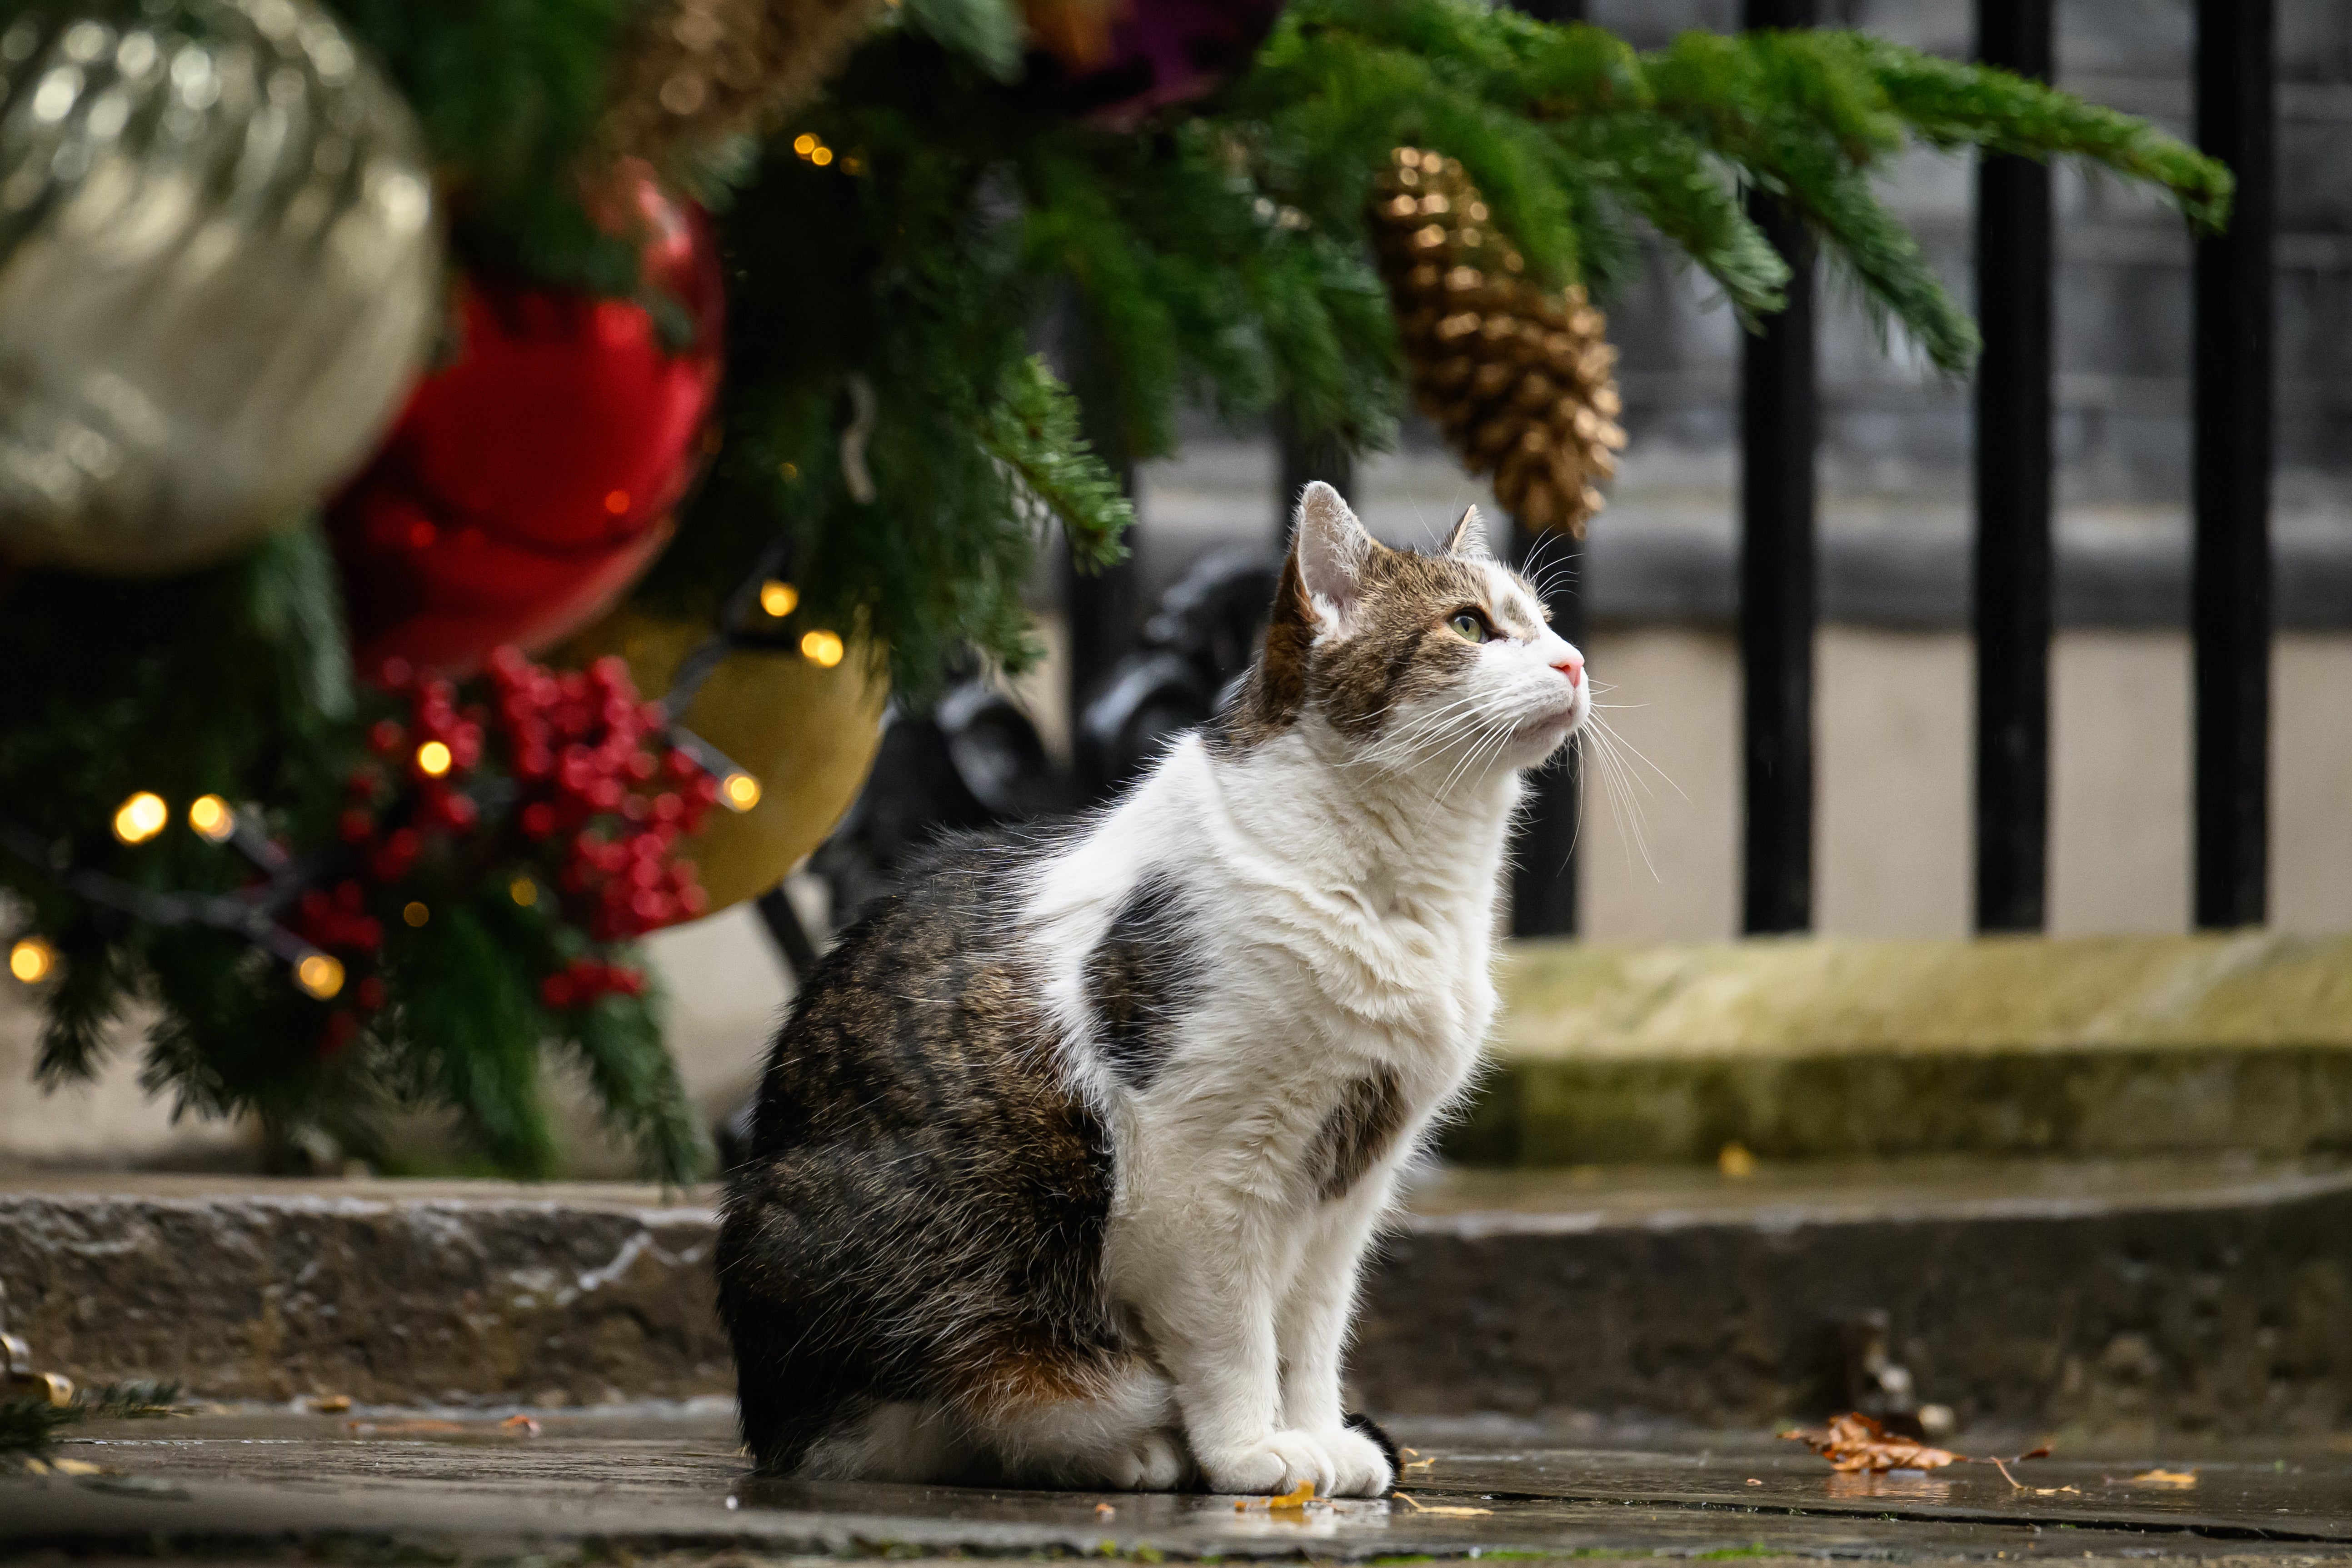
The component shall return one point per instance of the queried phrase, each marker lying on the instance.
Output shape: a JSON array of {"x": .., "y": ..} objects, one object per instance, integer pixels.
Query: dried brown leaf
[
  {"x": 398, "y": 1428},
  {"x": 1292, "y": 1500},
  {"x": 1440, "y": 1510},
  {"x": 1854, "y": 1442},
  {"x": 1857, "y": 1443}
]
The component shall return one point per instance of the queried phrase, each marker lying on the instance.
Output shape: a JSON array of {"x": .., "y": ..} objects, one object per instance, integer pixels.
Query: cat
[{"x": 1065, "y": 1162}]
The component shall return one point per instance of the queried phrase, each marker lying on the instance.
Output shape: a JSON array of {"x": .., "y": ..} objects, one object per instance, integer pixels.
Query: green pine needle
[
  {"x": 1034, "y": 431},
  {"x": 29, "y": 1428}
]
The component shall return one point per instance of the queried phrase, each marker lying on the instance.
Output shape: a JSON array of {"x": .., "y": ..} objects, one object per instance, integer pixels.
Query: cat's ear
[
  {"x": 1468, "y": 540},
  {"x": 1331, "y": 549}
]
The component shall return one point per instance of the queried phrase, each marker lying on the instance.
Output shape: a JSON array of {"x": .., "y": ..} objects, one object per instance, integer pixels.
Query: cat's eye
[{"x": 1469, "y": 627}]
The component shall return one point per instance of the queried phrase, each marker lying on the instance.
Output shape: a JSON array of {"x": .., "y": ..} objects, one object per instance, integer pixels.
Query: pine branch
[
  {"x": 990, "y": 33},
  {"x": 618, "y": 1042},
  {"x": 29, "y": 1427},
  {"x": 1034, "y": 431},
  {"x": 1950, "y": 105}
]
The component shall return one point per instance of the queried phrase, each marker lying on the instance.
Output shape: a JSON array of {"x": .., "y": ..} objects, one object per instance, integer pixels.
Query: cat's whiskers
[
  {"x": 1414, "y": 740},
  {"x": 1618, "y": 778},
  {"x": 1494, "y": 733}
]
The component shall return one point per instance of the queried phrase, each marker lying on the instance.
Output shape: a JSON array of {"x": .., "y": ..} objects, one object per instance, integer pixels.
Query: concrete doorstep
[
  {"x": 2003, "y": 1048},
  {"x": 2124, "y": 1298}
]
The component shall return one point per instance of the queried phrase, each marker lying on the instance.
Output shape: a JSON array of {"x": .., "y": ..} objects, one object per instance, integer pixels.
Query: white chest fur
[{"x": 1335, "y": 928}]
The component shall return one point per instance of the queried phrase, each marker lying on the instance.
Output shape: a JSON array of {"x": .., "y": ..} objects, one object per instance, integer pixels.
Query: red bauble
[{"x": 529, "y": 481}]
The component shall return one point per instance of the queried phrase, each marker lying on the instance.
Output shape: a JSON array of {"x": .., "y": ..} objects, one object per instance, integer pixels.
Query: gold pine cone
[
  {"x": 1519, "y": 378},
  {"x": 694, "y": 71}
]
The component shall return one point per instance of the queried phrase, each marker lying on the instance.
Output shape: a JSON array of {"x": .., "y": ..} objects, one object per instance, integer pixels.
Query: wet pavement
[{"x": 669, "y": 1480}]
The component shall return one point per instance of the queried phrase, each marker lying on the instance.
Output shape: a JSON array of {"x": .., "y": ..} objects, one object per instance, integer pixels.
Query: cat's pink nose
[{"x": 1571, "y": 667}]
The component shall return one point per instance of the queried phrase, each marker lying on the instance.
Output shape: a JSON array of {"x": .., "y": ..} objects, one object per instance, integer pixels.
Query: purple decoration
[{"x": 1163, "y": 52}]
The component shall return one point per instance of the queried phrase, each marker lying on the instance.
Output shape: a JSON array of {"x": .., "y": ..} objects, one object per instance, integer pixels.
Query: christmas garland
[{"x": 727, "y": 305}]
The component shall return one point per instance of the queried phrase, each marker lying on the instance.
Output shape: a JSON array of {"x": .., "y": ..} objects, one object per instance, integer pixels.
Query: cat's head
[{"x": 1441, "y": 662}]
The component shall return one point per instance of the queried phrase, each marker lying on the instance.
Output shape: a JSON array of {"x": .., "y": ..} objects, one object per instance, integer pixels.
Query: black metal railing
[
  {"x": 2014, "y": 568},
  {"x": 2231, "y": 592},
  {"x": 2015, "y": 252}
]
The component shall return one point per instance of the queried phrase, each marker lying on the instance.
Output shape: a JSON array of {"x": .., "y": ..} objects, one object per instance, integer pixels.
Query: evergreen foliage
[
  {"x": 29, "y": 1427},
  {"x": 891, "y": 430}
]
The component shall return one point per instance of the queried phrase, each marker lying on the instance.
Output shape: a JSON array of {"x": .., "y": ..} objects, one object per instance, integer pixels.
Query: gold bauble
[{"x": 806, "y": 732}]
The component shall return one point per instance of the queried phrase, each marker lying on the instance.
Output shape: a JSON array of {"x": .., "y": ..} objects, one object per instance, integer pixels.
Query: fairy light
[
  {"x": 778, "y": 599},
  {"x": 804, "y": 144},
  {"x": 739, "y": 790},
  {"x": 140, "y": 817},
  {"x": 321, "y": 974},
  {"x": 822, "y": 647},
  {"x": 523, "y": 891},
  {"x": 415, "y": 912},
  {"x": 822, "y": 156},
  {"x": 210, "y": 816},
  {"x": 31, "y": 960},
  {"x": 432, "y": 758}
]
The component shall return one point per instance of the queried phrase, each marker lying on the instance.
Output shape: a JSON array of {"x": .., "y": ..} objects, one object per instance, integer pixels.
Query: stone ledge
[
  {"x": 2158, "y": 1296},
  {"x": 390, "y": 1292},
  {"x": 1819, "y": 1047}
]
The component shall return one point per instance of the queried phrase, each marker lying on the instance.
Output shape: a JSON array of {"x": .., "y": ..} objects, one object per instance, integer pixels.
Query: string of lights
[{"x": 251, "y": 912}]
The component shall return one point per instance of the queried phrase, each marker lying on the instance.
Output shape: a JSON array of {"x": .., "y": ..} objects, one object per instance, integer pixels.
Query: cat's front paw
[
  {"x": 1278, "y": 1463},
  {"x": 1152, "y": 1463},
  {"x": 1359, "y": 1467}
]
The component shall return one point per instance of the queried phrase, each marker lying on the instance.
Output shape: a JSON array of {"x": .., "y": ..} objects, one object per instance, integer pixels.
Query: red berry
[
  {"x": 340, "y": 1027},
  {"x": 461, "y": 812},
  {"x": 538, "y": 819},
  {"x": 355, "y": 825},
  {"x": 556, "y": 991},
  {"x": 369, "y": 994},
  {"x": 393, "y": 673}
]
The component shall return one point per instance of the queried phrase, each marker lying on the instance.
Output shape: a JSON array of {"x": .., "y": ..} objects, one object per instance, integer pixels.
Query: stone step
[
  {"x": 1827, "y": 1048},
  {"x": 2150, "y": 1297}
]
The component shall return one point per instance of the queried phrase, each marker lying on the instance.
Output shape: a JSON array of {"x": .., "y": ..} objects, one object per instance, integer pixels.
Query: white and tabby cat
[{"x": 1066, "y": 1161}]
